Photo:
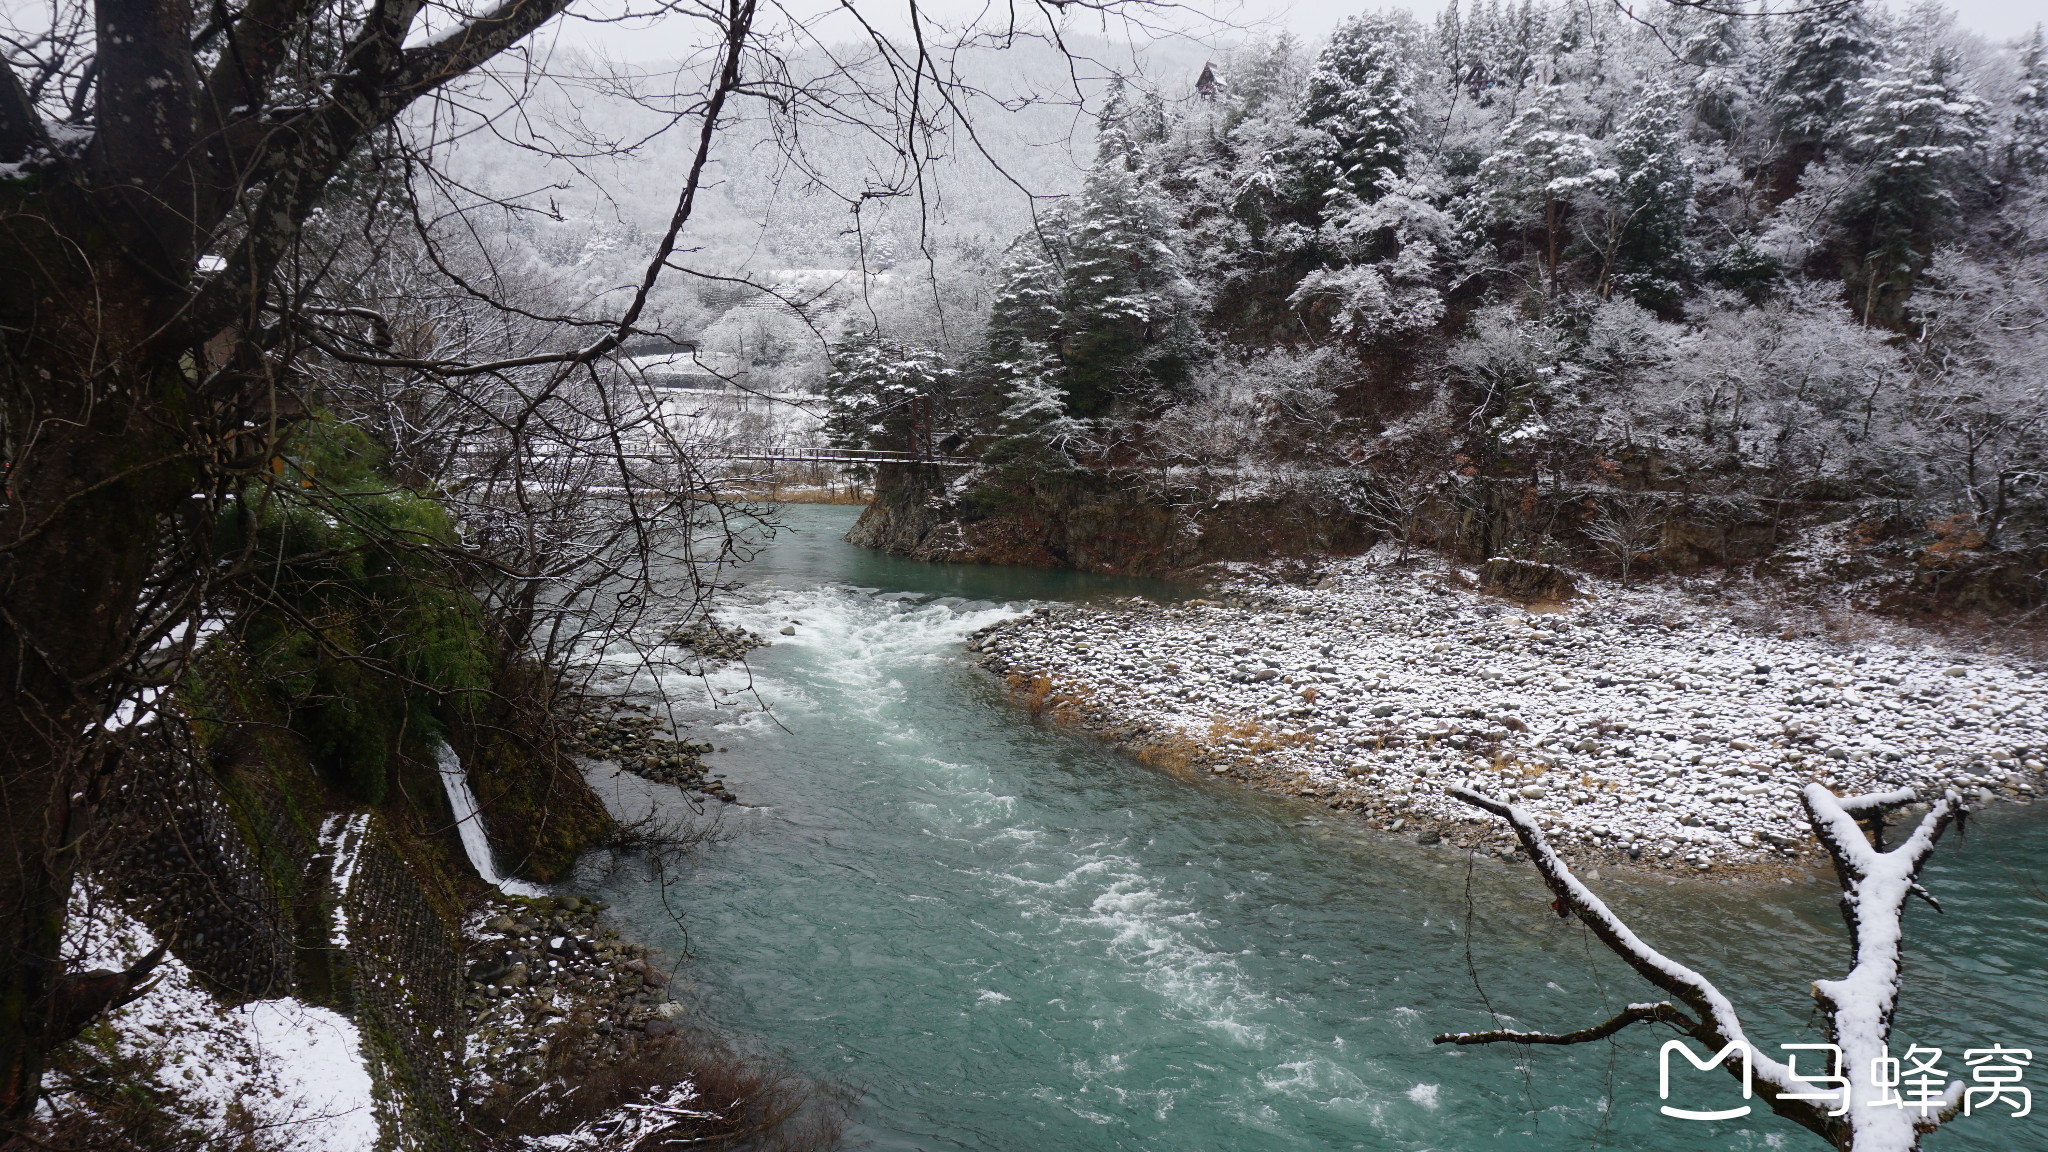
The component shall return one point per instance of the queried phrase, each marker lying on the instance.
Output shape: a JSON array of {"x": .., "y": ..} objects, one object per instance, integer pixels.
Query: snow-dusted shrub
[
  {"x": 1390, "y": 254},
  {"x": 1244, "y": 412}
]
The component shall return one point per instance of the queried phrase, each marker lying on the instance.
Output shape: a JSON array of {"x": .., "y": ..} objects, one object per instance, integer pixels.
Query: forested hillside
[{"x": 1548, "y": 280}]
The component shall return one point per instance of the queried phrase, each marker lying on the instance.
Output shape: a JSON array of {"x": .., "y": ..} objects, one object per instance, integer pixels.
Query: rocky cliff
[
  {"x": 1095, "y": 522},
  {"x": 1860, "y": 552}
]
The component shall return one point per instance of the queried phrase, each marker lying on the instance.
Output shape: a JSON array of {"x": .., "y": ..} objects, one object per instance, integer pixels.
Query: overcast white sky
[{"x": 1997, "y": 19}]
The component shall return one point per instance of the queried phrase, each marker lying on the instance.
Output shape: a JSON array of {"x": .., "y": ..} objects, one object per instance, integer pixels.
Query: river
[{"x": 1002, "y": 936}]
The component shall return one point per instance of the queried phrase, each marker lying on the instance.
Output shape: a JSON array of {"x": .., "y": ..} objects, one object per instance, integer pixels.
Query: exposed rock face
[
  {"x": 1526, "y": 579},
  {"x": 1100, "y": 523},
  {"x": 1149, "y": 523}
]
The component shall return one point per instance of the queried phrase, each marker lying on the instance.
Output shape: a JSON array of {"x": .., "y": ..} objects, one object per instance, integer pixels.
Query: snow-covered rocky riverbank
[{"x": 1642, "y": 727}]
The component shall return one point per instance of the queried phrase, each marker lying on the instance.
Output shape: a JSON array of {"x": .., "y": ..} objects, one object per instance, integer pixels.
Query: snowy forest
[{"x": 1749, "y": 260}]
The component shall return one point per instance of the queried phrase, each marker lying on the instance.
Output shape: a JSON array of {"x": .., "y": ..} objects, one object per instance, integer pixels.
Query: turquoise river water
[{"x": 1001, "y": 936}]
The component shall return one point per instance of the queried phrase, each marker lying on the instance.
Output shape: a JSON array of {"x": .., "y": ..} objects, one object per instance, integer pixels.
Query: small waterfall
[{"x": 470, "y": 823}]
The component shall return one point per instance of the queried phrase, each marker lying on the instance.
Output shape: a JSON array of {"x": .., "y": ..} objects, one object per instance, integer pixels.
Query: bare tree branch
[{"x": 1663, "y": 1012}]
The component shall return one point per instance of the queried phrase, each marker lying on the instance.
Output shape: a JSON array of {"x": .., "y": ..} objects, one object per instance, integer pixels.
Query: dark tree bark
[{"x": 136, "y": 389}]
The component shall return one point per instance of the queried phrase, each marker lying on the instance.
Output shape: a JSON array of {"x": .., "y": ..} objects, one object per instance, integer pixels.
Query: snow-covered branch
[
  {"x": 1858, "y": 1007},
  {"x": 1875, "y": 884}
]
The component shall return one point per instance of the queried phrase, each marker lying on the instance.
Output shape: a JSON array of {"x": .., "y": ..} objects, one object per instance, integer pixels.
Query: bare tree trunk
[
  {"x": 87, "y": 503},
  {"x": 133, "y": 394}
]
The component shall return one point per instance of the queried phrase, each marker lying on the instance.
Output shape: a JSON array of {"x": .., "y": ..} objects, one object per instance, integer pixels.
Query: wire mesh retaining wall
[
  {"x": 249, "y": 900},
  {"x": 186, "y": 865},
  {"x": 404, "y": 986}
]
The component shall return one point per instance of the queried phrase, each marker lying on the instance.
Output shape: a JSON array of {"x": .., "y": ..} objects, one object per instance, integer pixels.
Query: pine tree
[
  {"x": 1127, "y": 127},
  {"x": 878, "y": 390},
  {"x": 1358, "y": 92},
  {"x": 1281, "y": 186},
  {"x": 1648, "y": 256},
  {"x": 1266, "y": 77},
  {"x": 1717, "y": 45},
  {"x": 1827, "y": 51},
  {"x": 1531, "y": 178},
  {"x": 1917, "y": 127},
  {"x": 1030, "y": 304},
  {"x": 1036, "y": 429},
  {"x": 1453, "y": 44},
  {"x": 2028, "y": 150},
  {"x": 1129, "y": 325},
  {"x": 1100, "y": 287},
  {"x": 1028, "y": 320},
  {"x": 1385, "y": 284},
  {"x": 1497, "y": 49}
]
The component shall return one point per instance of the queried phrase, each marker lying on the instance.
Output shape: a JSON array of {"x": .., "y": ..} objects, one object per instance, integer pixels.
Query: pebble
[
  {"x": 1637, "y": 724},
  {"x": 548, "y": 964},
  {"x": 639, "y": 744},
  {"x": 710, "y": 639}
]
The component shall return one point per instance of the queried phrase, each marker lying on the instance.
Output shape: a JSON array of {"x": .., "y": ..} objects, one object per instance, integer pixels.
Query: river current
[{"x": 1002, "y": 936}]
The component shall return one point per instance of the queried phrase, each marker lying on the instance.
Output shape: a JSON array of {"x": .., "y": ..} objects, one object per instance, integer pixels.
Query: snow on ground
[
  {"x": 297, "y": 1069},
  {"x": 1638, "y": 724}
]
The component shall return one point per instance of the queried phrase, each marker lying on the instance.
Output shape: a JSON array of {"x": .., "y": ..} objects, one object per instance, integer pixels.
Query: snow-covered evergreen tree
[
  {"x": 1824, "y": 54},
  {"x": 1265, "y": 77},
  {"x": 1388, "y": 284},
  {"x": 1528, "y": 183},
  {"x": 1281, "y": 185},
  {"x": 1648, "y": 254},
  {"x": 1130, "y": 326},
  {"x": 1916, "y": 126},
  {"x": 1101, "y": 287},
  {"x": 879, "y": 389},
  {"x": 2027, "y": 150},
  {"x": 1494, "y": 48},
  {"x": 1717, "y": 45},
  {"x": 1035, "y": 426},
  {"x": 1359, "y": 92},
  {"x": 1128, "y": 126}
]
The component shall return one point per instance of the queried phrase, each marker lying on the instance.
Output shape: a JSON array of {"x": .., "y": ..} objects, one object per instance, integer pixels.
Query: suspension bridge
[{"x": 802, "y": 456}]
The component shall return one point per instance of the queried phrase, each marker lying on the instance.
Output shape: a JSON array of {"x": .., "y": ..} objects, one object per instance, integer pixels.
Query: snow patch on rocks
[
  {"x": 1638, "y": 725},
  {"x": 294, "y": 1069}
]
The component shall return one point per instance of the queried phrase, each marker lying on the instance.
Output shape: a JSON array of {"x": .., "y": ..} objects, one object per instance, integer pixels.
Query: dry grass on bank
[
  {"x": 1044, "y": 699},
  {"x": 687, "y": 1090}
]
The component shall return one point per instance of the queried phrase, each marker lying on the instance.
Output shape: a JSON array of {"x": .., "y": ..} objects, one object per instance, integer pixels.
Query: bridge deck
[{"x": 840, "y": 456}]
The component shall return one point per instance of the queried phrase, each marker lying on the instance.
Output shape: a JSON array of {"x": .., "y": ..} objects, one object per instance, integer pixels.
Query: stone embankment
[
  {"x": 1641, "y": 727},
  {"x": 542, "y": 969}
]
